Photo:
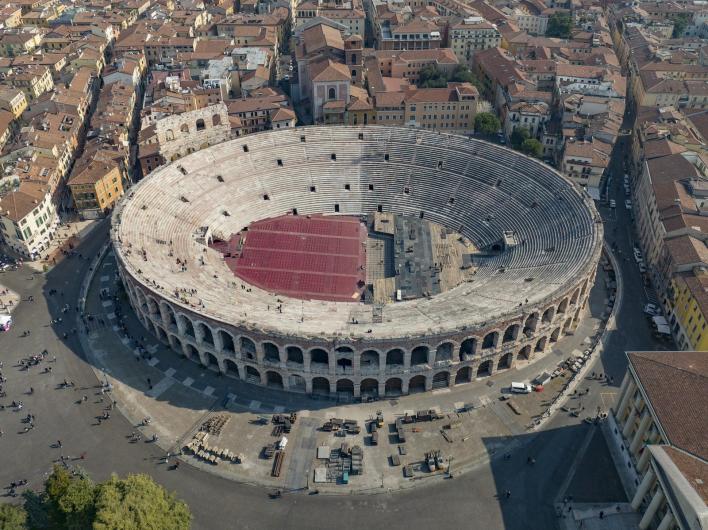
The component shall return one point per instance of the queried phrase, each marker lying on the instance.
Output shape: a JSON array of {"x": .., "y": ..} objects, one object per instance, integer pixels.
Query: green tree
[
  {"x": 680, "y": 23},
  {"x": 518, "y": 136},
  {"x": 12, "y": 517},
  {"x": 532, "y": 147},
  {"x": 137, "y": 502},
  {"x": 69, "y": 500},
  {"x": 486, "y": 123},
  {"x": 559, "y": 25},
  {"x": 431, "y": 76}
]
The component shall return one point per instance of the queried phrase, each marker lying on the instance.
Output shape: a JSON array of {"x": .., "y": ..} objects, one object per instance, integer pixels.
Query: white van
[{"x": 520, "y": 388}]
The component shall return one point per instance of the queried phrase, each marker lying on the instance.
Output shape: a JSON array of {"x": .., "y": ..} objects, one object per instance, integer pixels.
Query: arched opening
[
  {"x": 369, "y": 388},
  {"x": 271, "y": 352},
  {"x": 169, "y": 135},
  {"x": 161, "y": 335},
  {"x": 231, "y": 368},
  {"x": 191, "y": 352},
  {"x": 176, "y": 344},
  {"x": 319, "y": 356},
  {"x": 294, "y": 355},
  {"x": 253, "y": 375},
  {"x": 211, "y": 361},
  {"x": 152, "y": 306},
  {"x": 511, "y": 333},
  {"x": 555, "y": 335},
  {"x": 419, "y": 355},
  {"x": 320, "y": 385},
  {"x": 344, "y": 364},
  {"x": 184, "y": 128},
  {"x": 468, "y": 348},
  {"x": 394, "y": 357},
  {"x": 531, "y": 324},
  {"x": 369, "y": 361},
  {"x": 296, "y": 383},
  {"x": 485, "y": 369},
  {"x": 574, "y": 298},
  {"x": 490, "y": 340},
  {"x": 540, "y": 344},
  {"x": 505, "y": 361},
  {"x": 441, "y": 380},
  {"x": 567, "y": 325},
  {"x": 464, "y": 375},
  {"x": 200, "y": 124},
  {"x": 563, "y": 306},
  {"x": 171, "y": 319},
  {"x": 346, "y": 350},
  {"x": 331, "y": 93},
  {"x": 525, "y": 353},
  {"x": 345, "y": 387},
  {"x": 188, "y": 327},
  {"x": 548, "y": 315},
  {"x": 207, "y": 337},
  {"x": 248, "y": 348},
  {"x": 227, "y": 342},
  {"x": 274, "y": 379},
  {"x": 443, "y": 352},
  {"x": 394, "y": 387},
  {"x": 416, "y": 384},
  {"x": 216, "y": 120}
]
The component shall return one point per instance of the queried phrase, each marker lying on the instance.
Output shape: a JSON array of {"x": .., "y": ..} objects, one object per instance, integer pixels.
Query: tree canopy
[
  {"x": 12, "y": 517},
  {"x": 680, "y": 23},
  {"x": 431, "y": 76},
  {"x": 559, "y": 25},
  {"x": 76, "y": 503},
  {"x": 532, "y": 147},
  {"x": 518, "y": 136},
  {"x": 486, "y": 123}
]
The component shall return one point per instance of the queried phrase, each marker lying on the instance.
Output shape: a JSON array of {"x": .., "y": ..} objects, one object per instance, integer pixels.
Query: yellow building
[
  {"x": 96, "y": 188},
  {"x": 690, "y": 309},
  {"x": 13, "y": 100}
]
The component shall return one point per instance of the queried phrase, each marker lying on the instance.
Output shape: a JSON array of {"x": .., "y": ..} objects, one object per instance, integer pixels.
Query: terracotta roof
[
  {"x": 329, "y": 70},
  {"x": 676, "y": 385},
  {"x": 695, "y": 471},
  {"x": 282, "y": 114},
  {"x": 322, "y": 36},
  {"x": 17, "y": 204}
]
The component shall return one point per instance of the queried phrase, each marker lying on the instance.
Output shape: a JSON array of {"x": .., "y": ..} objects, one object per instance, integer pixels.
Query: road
[{"x": 218, "y": 503}]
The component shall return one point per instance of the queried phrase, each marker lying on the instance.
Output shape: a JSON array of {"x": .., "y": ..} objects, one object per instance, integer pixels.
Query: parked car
[
  {"x": 613, "y": 203},
  {"x": 628, "y": 204},
  {"x": 652, "y": 309},
  {"x": 642, "y": 268}
]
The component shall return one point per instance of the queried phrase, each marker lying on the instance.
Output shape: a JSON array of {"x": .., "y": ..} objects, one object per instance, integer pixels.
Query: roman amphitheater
[{"x": 357, "y": 261}]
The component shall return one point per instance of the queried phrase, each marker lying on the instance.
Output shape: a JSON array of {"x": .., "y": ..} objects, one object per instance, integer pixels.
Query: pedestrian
[
  {"x": 59, "y": 444},
  {"x": 508, "y": 494}
]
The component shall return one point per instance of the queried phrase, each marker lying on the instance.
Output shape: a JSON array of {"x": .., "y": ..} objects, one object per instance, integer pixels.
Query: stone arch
[
  {"x": 441, "y": 379},
  {"x": 394, "y": 357},
  {"x": 231, "y": 368},
  {"x": 184, "y": 128},
  {"x": 200, "y": 125},
  {"x": 419, "y": 355},
  {"x": 369, "y": 387},
  {"x": 161, "y": 335},
  {"x": 215, "y": 120},
  {"x": 319, "y": 356},
  {"x": 187, "y": 326},
  {"x": 463, "y": 375},
  {"x": 490, "y": 340},
  {"x": 227, "y": 342},
  {"x": 574, "y": 298},
  {"x": 511, "y": 333},
  {"x": 485, "y": 368},
  {"x": 169, "y": 134},
  {"x": 416, "y": 384},
  {"x": 583, "y": 288},
  {"x": 344, "y": 364},
  {"x": 271, "y": 352},
  {"x": 531, "y": 324},
  {"x": 525, "y": 353},
  {"x": 369, "y": 360},
  {"x": 175, "y": 343},
  {"x": 468, "y": 348},
  {"x": 505, "y": 361},
  {"x": 170, "y": 313},
  {"x": 344, "y": 350},
  {"x": 541, "y": 344},
  {"x": 444, "y": 352},
  {"x": 567, "y": 325},
  {"x": 274, "y": 379},
  {"x": 297, "y": 383},
  {"x": 248, "y": 348},
  {"x": 555, "y": 335},
  {"x": 253, "y": 375},
  {"x": 207, "y": 335},
  {"x": 331, "y": 93},
  {"x": 152, "y": 306},
  {"x": 548, "y": 315},
  {"x": 393, "y": 386},
  {"x": 346, "y": 387},
  {"x": 211, "y": 360},
  {"x": 320, "y": 385},
  {"x": 294, "y": 354},
  {"x": 190, "y": 351},
  {"x": 563, "y": 306}
]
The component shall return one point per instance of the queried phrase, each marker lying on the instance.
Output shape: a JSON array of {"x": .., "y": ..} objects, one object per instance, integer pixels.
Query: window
[
  {"x": 280, "y": 162},
  {"x": 331, "y": 94},
  {"x": 347, "y": 187},
  {"x": 371, "y": 187},
  {"x": 333, "y": 156},
  {"x": 312, "y": 189}
]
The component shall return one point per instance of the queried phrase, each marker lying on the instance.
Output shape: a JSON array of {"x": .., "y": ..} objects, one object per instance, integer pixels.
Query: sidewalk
[
  {"x": 67, "y": 237},
  {"x": 8, "y": 300}
]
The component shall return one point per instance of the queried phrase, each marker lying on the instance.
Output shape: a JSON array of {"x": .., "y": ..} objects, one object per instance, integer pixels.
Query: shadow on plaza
[{"x": 570, "y": 462}]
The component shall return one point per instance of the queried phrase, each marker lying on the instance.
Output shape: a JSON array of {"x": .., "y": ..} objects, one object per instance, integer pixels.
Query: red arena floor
[{"x": 307, "y": 257}]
